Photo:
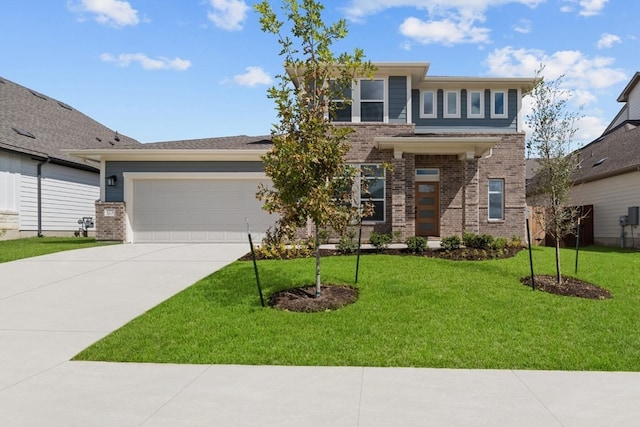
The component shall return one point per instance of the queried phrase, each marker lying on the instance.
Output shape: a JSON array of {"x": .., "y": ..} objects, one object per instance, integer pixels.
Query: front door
[{"x": 427, "y": 209}]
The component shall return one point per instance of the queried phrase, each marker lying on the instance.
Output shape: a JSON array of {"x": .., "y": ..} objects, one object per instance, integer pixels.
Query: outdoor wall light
[{"x": 111, "y": 180}]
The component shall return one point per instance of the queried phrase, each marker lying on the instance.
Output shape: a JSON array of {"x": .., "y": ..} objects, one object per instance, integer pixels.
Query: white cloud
[
  {"x": 446, "y": 31},
  {"x": 253, "y": 77},
  {"x": 592, "y": 7},
  {"x": 607, "y": 40},
  {"x": 115, "y": 13},
  {"x": 447, "y": 22},
  {"x": 228, "y": 14},
  {"x": 587, "y": 7},
  {"x": 584, "y": 77},
  {"x": 161, "y": 63},
  {"x": 523, "y": 26}
]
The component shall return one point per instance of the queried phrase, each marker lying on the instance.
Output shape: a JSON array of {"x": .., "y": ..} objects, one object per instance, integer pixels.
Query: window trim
[
  {"x": 502, "y": 199},
  {"x": 434, "y": 114},
  {"x": 479, "y": 115},
  {"x": 505, "y": 101},
  {"x": 445, "y": 112},
  {"x": 356, "y": 111},
  {"x": 384, "y": 191}
]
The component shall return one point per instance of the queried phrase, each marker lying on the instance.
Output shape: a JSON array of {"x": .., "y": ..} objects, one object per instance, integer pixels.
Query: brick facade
[
  {"x": 111, "y": 221},
  {"x": 463, "y": 183}
]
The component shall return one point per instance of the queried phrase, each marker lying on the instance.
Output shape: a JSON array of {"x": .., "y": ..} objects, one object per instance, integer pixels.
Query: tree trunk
[
  {"x": 558, "y": 275},
  {"x": 317, "y": 238}
]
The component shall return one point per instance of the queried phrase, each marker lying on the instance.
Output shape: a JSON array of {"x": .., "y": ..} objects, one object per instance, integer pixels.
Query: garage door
[{"x": 197, "y": 210}]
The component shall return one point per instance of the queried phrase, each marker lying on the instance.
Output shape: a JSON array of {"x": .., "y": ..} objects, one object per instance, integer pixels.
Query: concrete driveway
[{"x": 52, "y": 307}]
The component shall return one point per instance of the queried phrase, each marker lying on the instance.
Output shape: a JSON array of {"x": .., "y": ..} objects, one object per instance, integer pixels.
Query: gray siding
[
  {"x": 487, "y": 124},
  {"x": 116, "y": 193},
  {"x": 397, "y": 99}
]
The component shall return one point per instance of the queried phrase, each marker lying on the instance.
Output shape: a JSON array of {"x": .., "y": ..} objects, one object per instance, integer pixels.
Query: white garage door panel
[{"x": 197, "y": 210}]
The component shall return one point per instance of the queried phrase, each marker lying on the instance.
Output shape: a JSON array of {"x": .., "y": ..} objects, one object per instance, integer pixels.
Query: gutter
[{"x": 47, "y": 160}]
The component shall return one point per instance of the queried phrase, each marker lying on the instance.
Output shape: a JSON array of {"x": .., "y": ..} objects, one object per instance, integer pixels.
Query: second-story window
[
  {"x": 428, "y": 105},
  {"x": 475, "y": 107},
  {"x": 372, "y": 100},
  {"x": 341, "y": 98},
  {"x": 451, "y": 105},
  {"x": 498, "y": 104}
]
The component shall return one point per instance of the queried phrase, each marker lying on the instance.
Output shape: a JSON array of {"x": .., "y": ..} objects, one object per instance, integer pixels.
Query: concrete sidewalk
[{"x": 54, "y": 306}]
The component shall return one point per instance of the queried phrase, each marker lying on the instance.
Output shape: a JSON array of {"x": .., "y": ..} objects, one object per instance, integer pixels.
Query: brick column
[
  {"x": 398, "y": 196},
  {"x": 471, "y": 213},
  {"x": 110, "y": 221}
]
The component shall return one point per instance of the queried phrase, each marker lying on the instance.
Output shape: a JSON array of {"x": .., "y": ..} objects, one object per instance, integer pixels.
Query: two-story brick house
[{"x": 456, "y": 145}]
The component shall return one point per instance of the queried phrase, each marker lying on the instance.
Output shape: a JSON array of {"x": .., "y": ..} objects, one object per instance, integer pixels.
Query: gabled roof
[
  {"x": 243, "y": 147},
  {"x": 624, "y": 96},
  {"x": 39, "y": 126},
  {"x": 614, "y": 153}
]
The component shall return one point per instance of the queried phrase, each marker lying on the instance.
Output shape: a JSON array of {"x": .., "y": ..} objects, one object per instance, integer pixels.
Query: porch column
[
  {"x": 471, "y": 213},
  {"x": 398, "y": 195}
]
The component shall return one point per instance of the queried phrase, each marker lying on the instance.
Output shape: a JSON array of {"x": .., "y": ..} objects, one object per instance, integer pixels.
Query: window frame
[
  {"x": 445, "y": 112},
  {"x": 502, "y": 199},
  {"x": 347, "y": 100},
  {"x": 505, "y": 104},
  {"x": 434, "y": 114},
  {"x": 356, "y": 112},
  {"x": 383, "y": 199},
  {"x": 470, "y": 114}
]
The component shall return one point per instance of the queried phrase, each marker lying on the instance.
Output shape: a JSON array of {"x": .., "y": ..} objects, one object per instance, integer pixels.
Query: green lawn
[
  {"x": 11, "y": 250},
  {"x": 412, "y": 311}
]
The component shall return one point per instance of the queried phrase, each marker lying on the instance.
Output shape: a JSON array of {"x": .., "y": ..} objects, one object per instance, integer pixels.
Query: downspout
[{"x": 47, "y": 160}]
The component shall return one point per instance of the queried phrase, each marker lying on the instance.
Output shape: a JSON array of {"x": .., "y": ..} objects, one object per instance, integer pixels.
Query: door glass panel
[
  {"x": 423, "y": 213},
  {"x": 427, "y": 226},
  {"x": 426, "y": 188},
  {"x": 427, "y": 201}
]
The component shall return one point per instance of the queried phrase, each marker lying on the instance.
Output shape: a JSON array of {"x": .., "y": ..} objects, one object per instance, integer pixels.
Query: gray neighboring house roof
[
  {"x": 39, "y": 126},
  {"x": 241, "y": 142},
  {"x": 614, "y": 153}
]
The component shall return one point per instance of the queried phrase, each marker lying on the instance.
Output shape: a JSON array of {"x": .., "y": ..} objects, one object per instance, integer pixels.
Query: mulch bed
[
  {"x": 570, "y": 286},
  {"x": 332, "y": 297}
]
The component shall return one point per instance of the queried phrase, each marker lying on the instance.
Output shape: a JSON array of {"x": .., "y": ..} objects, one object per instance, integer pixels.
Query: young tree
[
  {"x": 553, "y": 127},
  {"x": 310, "y": 178}
]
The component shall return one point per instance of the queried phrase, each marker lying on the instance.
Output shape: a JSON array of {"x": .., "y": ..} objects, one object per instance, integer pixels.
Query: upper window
[
  {"x": 475, "y": 107},
  {"x": 499, "y": 104},
  {"x": 342, "y": 112},
  {"x": 372, "y": 100},
  {"x": 428, "y": 105},
  {"x": 496, "y": 199},
  {"x": 373, "y": 178},
  {"x": 451, "y": 105}
]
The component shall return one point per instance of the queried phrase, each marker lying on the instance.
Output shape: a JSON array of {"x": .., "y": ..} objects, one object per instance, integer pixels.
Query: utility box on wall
[{"x": 633, "y": 214}]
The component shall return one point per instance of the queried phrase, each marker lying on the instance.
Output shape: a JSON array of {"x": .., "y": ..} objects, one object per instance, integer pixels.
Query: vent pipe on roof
[{"x": 47, "y": 160}]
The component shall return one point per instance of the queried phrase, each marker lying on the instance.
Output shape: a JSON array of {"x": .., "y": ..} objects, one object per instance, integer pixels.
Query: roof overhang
[
  {"x": 160, "y": 155},
  {"x": 463, "y": 147}
]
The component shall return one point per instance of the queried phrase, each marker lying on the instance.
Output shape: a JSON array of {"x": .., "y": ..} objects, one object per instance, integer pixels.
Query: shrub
[
  {"x": 416, "y": 244},
  {"x": 450, "y": 243},
  {"x": 499, "y": 243},
  {"x": 472, "y": 240},
  {"x": 380, "y": 241},
  {"x": 323, "y": 236},
  {"x": 347, "y": 243},
  {"x": 516, "y": 241}
]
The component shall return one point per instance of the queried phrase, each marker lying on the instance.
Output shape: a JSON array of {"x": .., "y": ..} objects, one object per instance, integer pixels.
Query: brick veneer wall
[{"x": 110, "y": 227}]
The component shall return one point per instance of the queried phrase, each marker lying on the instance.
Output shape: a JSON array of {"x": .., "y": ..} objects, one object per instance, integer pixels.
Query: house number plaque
[{"x": 109, "y": 212}]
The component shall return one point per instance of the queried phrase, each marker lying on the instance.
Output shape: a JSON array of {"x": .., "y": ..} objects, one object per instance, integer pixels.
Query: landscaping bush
[
  {"x": 380, "y": 241},
  {"x": 451, "y": 243},
  {"x": 416, "y": 244},
  {"x": 499, "y": 243},
  {"x": 347, "y": 243},
  {"x": 472, "y": 240}
]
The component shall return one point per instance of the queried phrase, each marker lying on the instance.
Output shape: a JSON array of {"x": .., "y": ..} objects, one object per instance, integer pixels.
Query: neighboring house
[
  {"x": 609, "y": 175},
  {"x": 42, "y": 189},
  {"x": 456, "y": 145}
]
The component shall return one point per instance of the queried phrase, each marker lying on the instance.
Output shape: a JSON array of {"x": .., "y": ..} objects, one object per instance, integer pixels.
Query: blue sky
[{"x": 184, "y": 69}]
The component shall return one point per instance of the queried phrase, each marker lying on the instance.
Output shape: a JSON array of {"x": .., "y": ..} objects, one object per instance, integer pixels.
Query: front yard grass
[
  {"x": 11, "y": 250},
  {"x": 412, "y": 312}
]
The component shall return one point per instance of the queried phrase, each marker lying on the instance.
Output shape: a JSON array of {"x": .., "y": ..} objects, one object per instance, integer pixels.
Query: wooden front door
[{"x": 427, "y": 209}]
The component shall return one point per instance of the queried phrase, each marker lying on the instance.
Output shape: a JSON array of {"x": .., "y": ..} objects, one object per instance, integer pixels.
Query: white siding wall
[
  {"x": 611, "y": 198},
  {"x": 9, "y": 182},
  {"x": 634, "y": 103},
  {"x": 67, "y": 195}
]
